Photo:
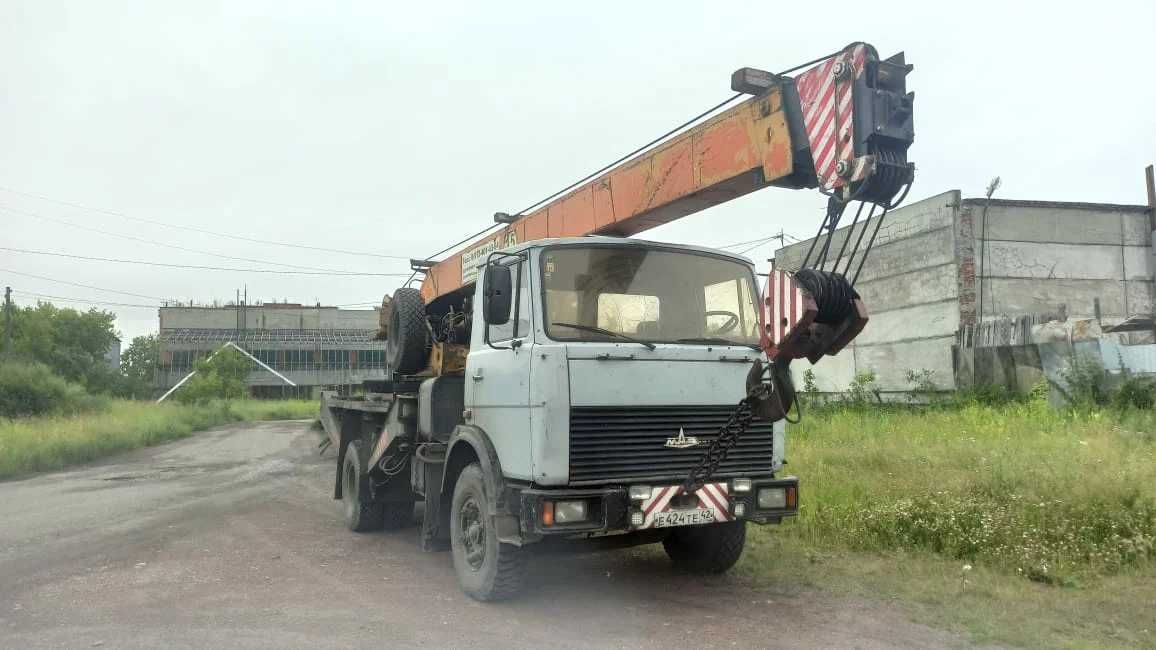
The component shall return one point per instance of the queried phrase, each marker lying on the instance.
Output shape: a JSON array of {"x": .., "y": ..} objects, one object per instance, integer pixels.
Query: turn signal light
[{"x": 547, "y": 513}]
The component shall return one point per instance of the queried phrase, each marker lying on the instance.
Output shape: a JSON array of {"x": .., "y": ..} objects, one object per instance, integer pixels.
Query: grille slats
[{"x": 626, "y": 444}]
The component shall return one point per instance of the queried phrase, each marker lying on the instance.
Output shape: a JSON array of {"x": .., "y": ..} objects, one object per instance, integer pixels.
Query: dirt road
[{"x": 229, "y": 539}]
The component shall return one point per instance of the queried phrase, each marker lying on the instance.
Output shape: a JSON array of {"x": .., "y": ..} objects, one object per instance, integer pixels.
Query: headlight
[
  {"x": 772, "y": 498},
  {"x": 569, "y": 512},
  {"x": 640, "y": 492},
  {"x": 741, "y": 485}
]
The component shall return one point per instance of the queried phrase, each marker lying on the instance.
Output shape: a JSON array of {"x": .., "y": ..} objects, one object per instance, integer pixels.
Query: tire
[
  {"x": 407, "y": 347},
  {"x": 706, "y": 549},
  {"x": 487, "y": 569},
  {"x": 362, "y": 514}
]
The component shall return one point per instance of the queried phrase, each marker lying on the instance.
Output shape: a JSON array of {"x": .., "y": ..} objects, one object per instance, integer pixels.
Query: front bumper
[{"x": 609, "y": 509}]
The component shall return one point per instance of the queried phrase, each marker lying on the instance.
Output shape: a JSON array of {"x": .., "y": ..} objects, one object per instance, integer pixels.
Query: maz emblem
[{"x": 682, "y": 441}]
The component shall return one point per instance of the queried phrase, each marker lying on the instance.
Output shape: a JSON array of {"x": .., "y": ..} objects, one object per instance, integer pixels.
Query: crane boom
[{"x": 843, "y": 125}]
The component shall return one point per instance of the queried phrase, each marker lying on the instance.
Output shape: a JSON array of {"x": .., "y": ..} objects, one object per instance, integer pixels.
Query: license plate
[
  {"x": 667, "y": 506},
  {"x": 684, "y": 517}
]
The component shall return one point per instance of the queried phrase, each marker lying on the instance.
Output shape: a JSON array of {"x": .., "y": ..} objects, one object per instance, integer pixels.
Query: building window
[
  {"x": 371, "y": 358},
  {"x": 298, "y": 359},
  {"x": 334, "y": 359}
]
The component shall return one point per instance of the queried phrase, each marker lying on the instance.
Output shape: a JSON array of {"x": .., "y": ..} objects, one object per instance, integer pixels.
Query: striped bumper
[{"x": 712, "y": 496}]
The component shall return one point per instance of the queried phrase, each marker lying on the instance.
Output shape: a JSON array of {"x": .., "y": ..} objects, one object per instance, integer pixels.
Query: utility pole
[
  {"x": 7, "y": 322},
  {"x": 1150, "y": 182}
]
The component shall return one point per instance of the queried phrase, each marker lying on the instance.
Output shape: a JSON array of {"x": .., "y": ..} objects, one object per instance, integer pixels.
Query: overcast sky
[{"x": 398, "y": 130}]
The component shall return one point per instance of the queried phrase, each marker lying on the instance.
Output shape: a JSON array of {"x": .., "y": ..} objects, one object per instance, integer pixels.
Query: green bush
[
  {"x": 1086, "y": 383},
  {"x": 32, "y": 389},
  {"x": 220, "y": 377},
  {"x": 863, "y": 390},
  {"x": 1135, "y": 393},
  {"x": 985, "y": 395}
]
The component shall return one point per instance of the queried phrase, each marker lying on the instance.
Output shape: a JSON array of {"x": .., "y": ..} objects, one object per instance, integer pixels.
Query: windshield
[{"x": 652, "y": 295}]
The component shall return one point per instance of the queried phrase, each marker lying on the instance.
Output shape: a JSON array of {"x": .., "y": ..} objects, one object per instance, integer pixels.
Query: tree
[
  {"x": 72, "y": 344},
  {"x": 221, "y": 377},
  {"x": 138, "y": 366}
]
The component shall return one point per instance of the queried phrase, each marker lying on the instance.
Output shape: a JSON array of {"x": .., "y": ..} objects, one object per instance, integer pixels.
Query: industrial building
[
  {"x": 311, "y": 346},
  {"x": 948, "y": 272}
]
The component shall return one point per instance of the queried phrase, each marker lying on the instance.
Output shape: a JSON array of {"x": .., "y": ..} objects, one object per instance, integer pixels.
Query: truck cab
[{"x": 612, "y": 350}]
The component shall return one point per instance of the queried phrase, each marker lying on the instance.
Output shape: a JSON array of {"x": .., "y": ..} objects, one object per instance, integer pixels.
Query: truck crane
[{"x": 559, "y": 383}]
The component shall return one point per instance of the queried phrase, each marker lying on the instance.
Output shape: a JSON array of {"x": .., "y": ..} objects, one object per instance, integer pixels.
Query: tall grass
[
  {"x": 52, "y": 442},
  {"x": 1021, "y": 488}
]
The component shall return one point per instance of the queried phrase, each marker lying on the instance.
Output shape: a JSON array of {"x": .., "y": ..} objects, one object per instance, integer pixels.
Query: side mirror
[{"x": 498, "y": 293}]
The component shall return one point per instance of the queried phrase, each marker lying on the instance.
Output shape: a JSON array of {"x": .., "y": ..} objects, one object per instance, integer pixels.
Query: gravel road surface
[{"x": 230, "y": 539}]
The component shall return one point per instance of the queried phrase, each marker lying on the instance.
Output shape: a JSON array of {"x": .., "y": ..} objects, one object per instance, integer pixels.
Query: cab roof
[{"x": 623, "y": 241}]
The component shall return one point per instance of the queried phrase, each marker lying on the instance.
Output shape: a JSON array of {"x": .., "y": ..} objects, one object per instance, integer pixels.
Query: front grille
[{"x": 628, "y": 444}]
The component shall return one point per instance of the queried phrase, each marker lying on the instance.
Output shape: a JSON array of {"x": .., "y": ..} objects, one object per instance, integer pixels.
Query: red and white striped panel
[
  {"x": 828, "y": 114},
  {"x": 712, "y": 495},
  {"x": 782, "y": 308}
]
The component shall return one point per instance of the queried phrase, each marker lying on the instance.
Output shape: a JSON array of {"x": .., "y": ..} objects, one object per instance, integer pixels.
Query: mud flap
[{"x": 433, "y": 537}]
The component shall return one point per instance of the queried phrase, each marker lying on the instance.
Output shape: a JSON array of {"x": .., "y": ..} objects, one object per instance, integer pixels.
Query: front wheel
[
  {"x": 487, "y": 569},
  {"x": 706, "y": 549}
]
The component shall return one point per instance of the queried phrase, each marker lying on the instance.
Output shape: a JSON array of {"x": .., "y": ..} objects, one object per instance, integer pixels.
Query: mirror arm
[{"x": 514, "y": 343}]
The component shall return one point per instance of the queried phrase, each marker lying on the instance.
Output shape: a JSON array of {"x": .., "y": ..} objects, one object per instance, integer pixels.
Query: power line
[
  {"x": 82, "y": 286},
  {"x": 662, "y": 137},
  {"x": 37, "y": 215},
  {"x": 196, "y": 266},
  {"x": 745, "y": 243},
  {"x": 633, "y": 153},
  {"x": 81, "y": 300},
  {"x": 589, "y": 176},
  {"x": 163, "y": 224},
  {"x": 782, "y": 236}
]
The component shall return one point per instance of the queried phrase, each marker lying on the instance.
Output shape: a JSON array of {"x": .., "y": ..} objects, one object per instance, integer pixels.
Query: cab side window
[{"x": 519, "y": 327}]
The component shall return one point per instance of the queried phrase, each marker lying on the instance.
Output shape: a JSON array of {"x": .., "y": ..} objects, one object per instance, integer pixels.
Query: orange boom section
[{"x": 743, "y": 149}]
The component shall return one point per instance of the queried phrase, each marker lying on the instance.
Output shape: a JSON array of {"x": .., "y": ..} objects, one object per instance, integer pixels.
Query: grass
[
  {"x": 52, "y": 442},
  {"x": 1018, "y": 524}
]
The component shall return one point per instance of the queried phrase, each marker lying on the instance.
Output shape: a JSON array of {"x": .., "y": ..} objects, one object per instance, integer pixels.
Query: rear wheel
[
  {"x": 706, "y": 549},
  {"x": 362, "y": 514},
  {"x": 487, "y": 569},
  {"x": 408, "y": 343}
]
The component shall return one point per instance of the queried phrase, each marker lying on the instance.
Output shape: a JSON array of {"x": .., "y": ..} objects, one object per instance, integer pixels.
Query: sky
[{"x": 129, "y": 129}]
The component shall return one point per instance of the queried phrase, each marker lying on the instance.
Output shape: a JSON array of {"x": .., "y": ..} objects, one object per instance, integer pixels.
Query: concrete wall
[
  {"x": 932, "y": 261},
  {"x": 910, "y": 285},
  {"x": 1044, "y": 257}
]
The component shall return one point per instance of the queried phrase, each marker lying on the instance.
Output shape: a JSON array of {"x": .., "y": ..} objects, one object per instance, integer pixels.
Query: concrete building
[
  {"x": 112, "y": 355},
  {"x": 312, "y": 346},
  {"x": 941, "y": 265}
]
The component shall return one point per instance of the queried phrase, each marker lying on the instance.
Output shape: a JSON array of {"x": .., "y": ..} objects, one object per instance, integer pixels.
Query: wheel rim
[
  {"x": 392, "y": 351},
  {"x": 349, "y": 490},
  {"x": 472, "y": 533}
]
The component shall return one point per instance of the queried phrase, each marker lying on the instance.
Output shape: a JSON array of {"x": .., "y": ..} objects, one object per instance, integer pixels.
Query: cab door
[{"x": 498, "y": 375}]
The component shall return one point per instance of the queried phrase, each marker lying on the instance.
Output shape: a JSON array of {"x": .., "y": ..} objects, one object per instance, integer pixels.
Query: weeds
[
  {"x": 49, "y": 443},
  {"x": 1020, "y": 488}
]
